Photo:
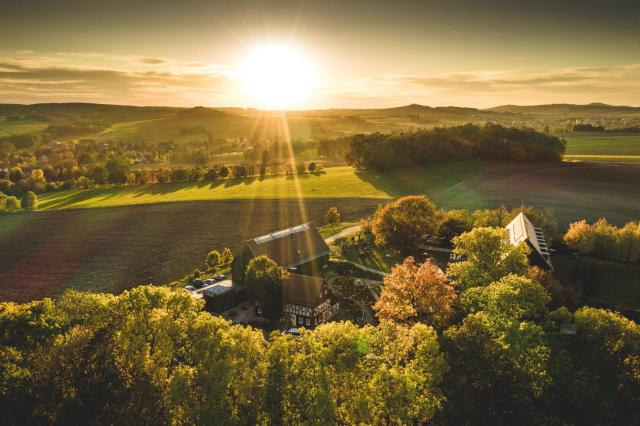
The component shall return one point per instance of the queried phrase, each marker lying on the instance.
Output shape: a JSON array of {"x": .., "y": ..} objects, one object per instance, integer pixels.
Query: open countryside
[
  {"x": 335, "y": 213},
  {"x": 567, "y": 188}
]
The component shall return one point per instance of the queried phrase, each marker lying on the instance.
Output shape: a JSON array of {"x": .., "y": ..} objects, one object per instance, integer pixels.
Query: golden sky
[{"x": 355, "y": 53}]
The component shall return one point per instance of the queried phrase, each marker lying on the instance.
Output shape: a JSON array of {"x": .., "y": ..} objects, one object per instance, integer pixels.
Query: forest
[{"x": 491, "y": 141}]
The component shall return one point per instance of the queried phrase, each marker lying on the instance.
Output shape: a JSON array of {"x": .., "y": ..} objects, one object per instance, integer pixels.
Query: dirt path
[{"x": 344, "y": 233}]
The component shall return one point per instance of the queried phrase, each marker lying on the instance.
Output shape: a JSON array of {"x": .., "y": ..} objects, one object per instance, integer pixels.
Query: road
[{"x": 344, "y": 233}]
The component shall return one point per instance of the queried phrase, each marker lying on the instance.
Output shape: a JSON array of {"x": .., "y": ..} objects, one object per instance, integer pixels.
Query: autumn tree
[
  {"x": 403, "y": 222},
  {"x": 486, "y": 255},
  {"x": 264, "y": 279},
  {"x": 417, "y": 293}
]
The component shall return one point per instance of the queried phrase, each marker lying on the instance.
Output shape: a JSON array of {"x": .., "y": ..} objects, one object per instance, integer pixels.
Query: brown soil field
[{"x": 116, "y": 248}]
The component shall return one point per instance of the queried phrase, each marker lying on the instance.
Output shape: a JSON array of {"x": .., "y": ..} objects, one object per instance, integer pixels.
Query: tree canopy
[
  {"x": 486, "y": 255},
  {"x": 417, "y": 293},
  {"x": 264, "y": 279},
  {"x": 403, "y": 223}
]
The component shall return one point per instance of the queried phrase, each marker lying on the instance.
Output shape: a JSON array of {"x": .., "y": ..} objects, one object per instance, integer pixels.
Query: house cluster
[{"x": 305, "y": 255}]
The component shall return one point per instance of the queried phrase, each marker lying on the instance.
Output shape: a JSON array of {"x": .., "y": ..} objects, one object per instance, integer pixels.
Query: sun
[{"x": 277, "y": 76}]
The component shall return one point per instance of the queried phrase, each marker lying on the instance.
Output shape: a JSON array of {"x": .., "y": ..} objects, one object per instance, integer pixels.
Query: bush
[{"x": 29, "y": 201}]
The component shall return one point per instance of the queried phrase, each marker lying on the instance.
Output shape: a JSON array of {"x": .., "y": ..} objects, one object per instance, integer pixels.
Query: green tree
[
  {"x": 403, "y": 222},
  {"x": 29, "y": 201},
  {"x": 487, "y": 255},
  {"x": 213, "y": 260},
  {"x": 226, "y": 257},
  {"x": 264, "y": 279},
  {"x": 99, "y": 174},
  {"x": 11, "y": 204},
  {"x": 511, "y": 298},
  {"x": 117, "y": 169},
  {"x": 332, "y": 217}
]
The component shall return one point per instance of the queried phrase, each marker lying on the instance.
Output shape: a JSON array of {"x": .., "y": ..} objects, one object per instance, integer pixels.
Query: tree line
[
  {"x": 490, "y": 141},
  {"x": 601, "y": 239},
  {"x": 118, "y": 171},
  {"x": 11, "y": 203},
  {"x": 40, "y": 164}
]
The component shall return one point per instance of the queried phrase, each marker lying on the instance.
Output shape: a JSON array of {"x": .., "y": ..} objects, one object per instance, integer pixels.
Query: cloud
[
  {"x": 153, "y": 61},
  {"x": 124, "y": 79},
  {"x": 496, "y": 81},
  {"x": 615, "y": 84}
]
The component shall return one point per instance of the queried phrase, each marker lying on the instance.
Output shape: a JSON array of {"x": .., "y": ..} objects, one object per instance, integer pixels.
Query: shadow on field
[{"x": 81, "y": 196}]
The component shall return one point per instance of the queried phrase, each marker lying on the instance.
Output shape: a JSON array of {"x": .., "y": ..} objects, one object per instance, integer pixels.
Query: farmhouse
[
  {"x": 522, "y": 230},
  {"x": 306, "y": 301},
  {"x": 300, "y": 248},
  {"x": 304, "y": 253}
]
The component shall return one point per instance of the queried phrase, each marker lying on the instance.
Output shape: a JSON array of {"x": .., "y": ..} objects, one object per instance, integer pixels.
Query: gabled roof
[
  {"x": 522, "y": 230},
  {"x": 305, "y": 290},
  {"x": 292, "y": 246}
]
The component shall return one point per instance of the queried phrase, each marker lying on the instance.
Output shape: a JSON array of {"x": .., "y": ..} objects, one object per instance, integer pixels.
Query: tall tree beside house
[
  {"x": 264, "y": 279},
  {"x": 417, "y": 293},
  {"x": 332, "y": 217},
  {"x": 217, "y": 260},
  {"x": 487, "y": 255},
  {"x": 403, "y": 222}
]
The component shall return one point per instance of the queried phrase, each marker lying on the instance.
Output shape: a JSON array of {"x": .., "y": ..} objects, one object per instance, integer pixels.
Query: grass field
[
  {"x": 113, "y": 249},
  {"x": 572, "y": 190},
  {"x": 146, "y": 235},
  {"x": 603, "y": 148},
  {"x": 335, "y": 182},
  {"x": 10, "y": 128}
]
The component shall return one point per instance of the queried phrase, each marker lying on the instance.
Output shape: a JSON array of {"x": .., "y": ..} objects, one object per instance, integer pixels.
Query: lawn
[{"x": 380, "y": 258}]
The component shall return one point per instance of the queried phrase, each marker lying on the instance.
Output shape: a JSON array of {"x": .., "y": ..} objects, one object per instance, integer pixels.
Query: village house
[
  {"x": 303, "y": 252},
  {"x": 522, "y": 230},
  {"x": 306, "y": 301}
]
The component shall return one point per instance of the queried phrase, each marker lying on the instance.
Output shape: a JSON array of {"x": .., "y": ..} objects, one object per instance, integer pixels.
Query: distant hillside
[
  {"x": 567, "y": 109},
  {"x": 142, "y": 123}
]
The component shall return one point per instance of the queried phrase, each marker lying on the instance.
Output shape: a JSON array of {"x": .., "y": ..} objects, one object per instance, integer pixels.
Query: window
[
  {"x": 308, "y": 321},
  {"x": 300, "y": 320}
]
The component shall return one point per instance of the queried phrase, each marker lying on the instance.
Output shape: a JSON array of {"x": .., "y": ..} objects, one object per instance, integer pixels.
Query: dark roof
[
  {"x": 522, "y": 230},
  {"x": 292, "y": 246},
  {"x": 303, "y": 290}
]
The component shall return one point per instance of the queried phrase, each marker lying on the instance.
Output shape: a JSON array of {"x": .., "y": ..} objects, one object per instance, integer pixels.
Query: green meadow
[
  {"x": 603, "y": 148},
  {"x": 573, "y": 190},
  {"x": 333, "y": 182}
]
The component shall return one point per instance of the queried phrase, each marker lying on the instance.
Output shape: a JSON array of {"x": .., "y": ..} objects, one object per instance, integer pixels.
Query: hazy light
[{"x": 277, "y": 77}]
